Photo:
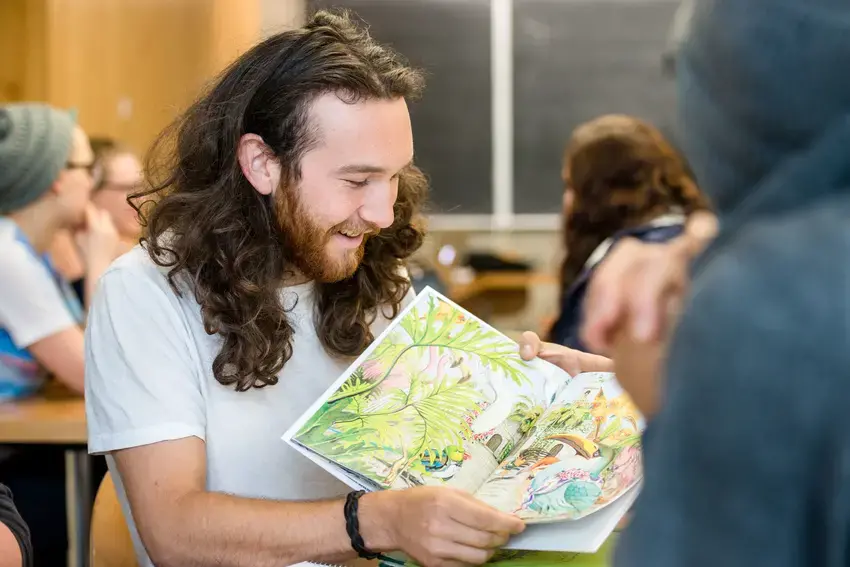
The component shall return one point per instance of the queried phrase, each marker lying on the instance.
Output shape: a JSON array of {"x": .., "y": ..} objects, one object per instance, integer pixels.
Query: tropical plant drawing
[{"x": 412, "y": 411}]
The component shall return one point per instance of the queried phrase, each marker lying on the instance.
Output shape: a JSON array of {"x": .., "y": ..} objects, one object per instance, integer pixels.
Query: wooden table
[
  {"x": 498, "y": 282},
  {"x": 58, "y": 418}
]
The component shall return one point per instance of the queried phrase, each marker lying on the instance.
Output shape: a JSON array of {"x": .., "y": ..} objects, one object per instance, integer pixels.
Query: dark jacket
[
  {"x": 748, "y": 461},
  {"x": 10, "y": 517},
  {"x": 565, "y": 330}
]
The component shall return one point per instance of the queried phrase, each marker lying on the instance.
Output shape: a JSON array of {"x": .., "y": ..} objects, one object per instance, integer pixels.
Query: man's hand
[
  {"x": 633, "y": 302},
  {"x": 572, "y": 361},
  {"x": 181, "y": 524},
  {"x": 638, "y": 285},
  {"x": 436, "y": 526}
]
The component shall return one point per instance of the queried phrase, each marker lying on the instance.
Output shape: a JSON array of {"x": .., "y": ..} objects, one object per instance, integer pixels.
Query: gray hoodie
[{"x": 748, "y": 462}]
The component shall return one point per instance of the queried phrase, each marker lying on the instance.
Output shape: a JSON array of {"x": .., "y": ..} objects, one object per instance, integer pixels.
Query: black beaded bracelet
[{"x": 352, "y": 525}]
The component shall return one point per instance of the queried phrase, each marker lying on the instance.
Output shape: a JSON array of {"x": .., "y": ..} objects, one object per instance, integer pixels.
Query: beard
[{"x": 306, "y": 241}]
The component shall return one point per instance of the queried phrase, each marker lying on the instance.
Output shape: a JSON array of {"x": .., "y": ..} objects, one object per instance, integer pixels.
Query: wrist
[
  {"x": 96, "y": 265},
  {"x": 375, "y": 515}
]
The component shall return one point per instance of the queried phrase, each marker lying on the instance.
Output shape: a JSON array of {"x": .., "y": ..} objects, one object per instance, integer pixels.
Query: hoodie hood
[{"x": 764, "y": 86}]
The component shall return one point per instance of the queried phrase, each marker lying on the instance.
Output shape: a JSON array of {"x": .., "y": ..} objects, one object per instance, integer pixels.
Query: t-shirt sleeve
[
  {"x": 31, "y": 305},
  {"x": 142, "y": 381}
]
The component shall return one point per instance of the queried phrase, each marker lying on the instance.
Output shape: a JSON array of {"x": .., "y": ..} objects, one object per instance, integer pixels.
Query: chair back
[{"x": 110, "y": 544}]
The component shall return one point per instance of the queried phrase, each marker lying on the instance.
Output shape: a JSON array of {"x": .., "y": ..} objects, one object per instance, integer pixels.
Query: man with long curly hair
[{"x": 273, "y": 253}]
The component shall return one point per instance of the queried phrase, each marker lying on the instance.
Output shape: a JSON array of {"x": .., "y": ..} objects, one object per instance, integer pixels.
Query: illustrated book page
[
  {"x": 439, "y": 398},
  {"x": 581, "y": 455}
]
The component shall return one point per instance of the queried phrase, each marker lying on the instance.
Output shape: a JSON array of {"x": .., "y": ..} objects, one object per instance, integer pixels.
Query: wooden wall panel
[{"x": 128, "y": 66}]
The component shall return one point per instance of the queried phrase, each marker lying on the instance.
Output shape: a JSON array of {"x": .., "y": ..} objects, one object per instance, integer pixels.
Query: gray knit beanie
[{"x": 35, "y": 140}]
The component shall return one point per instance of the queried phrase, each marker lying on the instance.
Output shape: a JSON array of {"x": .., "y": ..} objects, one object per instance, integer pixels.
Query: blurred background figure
[
  {"x": 46, "y": 167},
  {"x": 119, "y": 173},
  {"x": 46, "y": 176},
  {"x": 621, "y": 178}
]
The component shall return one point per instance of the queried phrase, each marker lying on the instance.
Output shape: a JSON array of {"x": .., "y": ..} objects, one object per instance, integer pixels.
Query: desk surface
[{"x": 53, "y": 417}]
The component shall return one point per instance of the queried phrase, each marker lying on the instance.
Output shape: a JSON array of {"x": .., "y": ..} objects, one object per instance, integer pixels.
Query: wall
[
  {"x": 127, "y": 66},
  {"x": 279, "y": 15}
]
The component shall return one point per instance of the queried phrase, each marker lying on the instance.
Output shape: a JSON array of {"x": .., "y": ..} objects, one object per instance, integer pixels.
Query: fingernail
[{"x": 526, "y": 350}]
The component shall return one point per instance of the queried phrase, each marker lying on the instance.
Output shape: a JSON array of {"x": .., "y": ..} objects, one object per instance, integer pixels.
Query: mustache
[{"x": 367, "y": 229}]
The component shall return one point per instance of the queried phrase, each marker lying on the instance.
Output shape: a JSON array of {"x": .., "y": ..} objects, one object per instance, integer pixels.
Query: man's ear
[{"x": 259, "y": 166}]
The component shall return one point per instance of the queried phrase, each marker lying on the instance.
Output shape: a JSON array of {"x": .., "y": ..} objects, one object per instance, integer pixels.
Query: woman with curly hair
[
  {"x": 279, "y": 212},
  {"x": 622, "y": 179}
]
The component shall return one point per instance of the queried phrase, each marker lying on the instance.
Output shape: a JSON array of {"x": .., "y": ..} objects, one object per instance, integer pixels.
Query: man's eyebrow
[{"x": 366, "y": 168}]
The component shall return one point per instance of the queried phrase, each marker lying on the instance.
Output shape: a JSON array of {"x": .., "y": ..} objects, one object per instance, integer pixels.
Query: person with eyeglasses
[
  {"x": 121, "y": 176},
  {"x": 118, "y": 175},
  {"x": 47, "y": 173}
]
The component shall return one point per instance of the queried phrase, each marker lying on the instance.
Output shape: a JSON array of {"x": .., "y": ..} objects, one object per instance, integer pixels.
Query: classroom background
[{"x": 507, "y": 82}]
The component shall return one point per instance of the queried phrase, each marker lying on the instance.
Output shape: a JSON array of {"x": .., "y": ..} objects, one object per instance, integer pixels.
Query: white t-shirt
[
  {"x": 149, "y": 379},
  {"x": 35, "y": 303}
]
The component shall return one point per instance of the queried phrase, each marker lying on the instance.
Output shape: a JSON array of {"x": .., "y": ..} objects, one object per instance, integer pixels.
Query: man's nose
[{"x": 378, "y": 210}]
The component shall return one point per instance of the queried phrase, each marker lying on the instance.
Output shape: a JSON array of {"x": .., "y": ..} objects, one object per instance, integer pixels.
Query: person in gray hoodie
[{"x": 747, "y": 460}]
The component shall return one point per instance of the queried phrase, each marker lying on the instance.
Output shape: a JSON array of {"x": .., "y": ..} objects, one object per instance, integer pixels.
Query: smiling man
[{"x": 273, "y": 254}]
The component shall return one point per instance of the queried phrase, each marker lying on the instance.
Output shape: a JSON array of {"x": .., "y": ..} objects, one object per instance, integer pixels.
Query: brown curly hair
[
  {"x": 206, "y": 223},
  {"x": 623, "y": 173}
]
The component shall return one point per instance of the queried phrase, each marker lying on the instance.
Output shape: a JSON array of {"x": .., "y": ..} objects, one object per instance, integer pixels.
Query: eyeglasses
[
  {"x": 107, "y": 185},
  {"x": 93, "y": 168}
]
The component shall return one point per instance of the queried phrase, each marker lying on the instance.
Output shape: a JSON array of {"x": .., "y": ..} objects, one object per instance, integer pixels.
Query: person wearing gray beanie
[
  {"x": 45, "y": 184},
  {"x": 746, "y": 455},
  {"x": 35, "y": 140}
]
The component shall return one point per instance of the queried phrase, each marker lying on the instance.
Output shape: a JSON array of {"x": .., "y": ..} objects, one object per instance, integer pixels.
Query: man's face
[{"x": 348, "y": 184}]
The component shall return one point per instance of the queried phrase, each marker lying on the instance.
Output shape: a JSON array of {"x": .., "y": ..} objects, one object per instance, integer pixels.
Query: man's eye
[{"x": 355, "y": 183}]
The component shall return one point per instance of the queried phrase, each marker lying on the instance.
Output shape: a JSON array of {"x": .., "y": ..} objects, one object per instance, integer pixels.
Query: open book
[{"x": 442, "y": 398}]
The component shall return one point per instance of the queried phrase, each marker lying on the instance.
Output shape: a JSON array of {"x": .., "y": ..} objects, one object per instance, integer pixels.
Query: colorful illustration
[
  {"x": 583, "y": 453},
  {"x": 442, "y": 398}
]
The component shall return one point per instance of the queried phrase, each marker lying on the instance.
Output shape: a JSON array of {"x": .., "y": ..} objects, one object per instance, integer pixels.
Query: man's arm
[
  {"x": 15, "y": 546},
  {"x": 182, "y": 525}
]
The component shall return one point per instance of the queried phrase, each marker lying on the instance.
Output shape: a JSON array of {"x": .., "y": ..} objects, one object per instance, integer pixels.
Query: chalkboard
[
  {"x": 450, "y": 41},
  {"x": 575, "y": 60}
]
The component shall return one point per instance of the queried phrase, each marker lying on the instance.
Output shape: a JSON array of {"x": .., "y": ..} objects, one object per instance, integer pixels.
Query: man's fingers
[
  {"x": 603, "y": 309},
  {"x": 461, "y": 554},
  {"x": 649, "y": 301},
  {"x": 529, "y": 345},
  {"x": 605, "y": 302},
  {"x": 481, "y": 539},
  {"x": 701, "y": 229},
  {"x": 471, "y": 512}
]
